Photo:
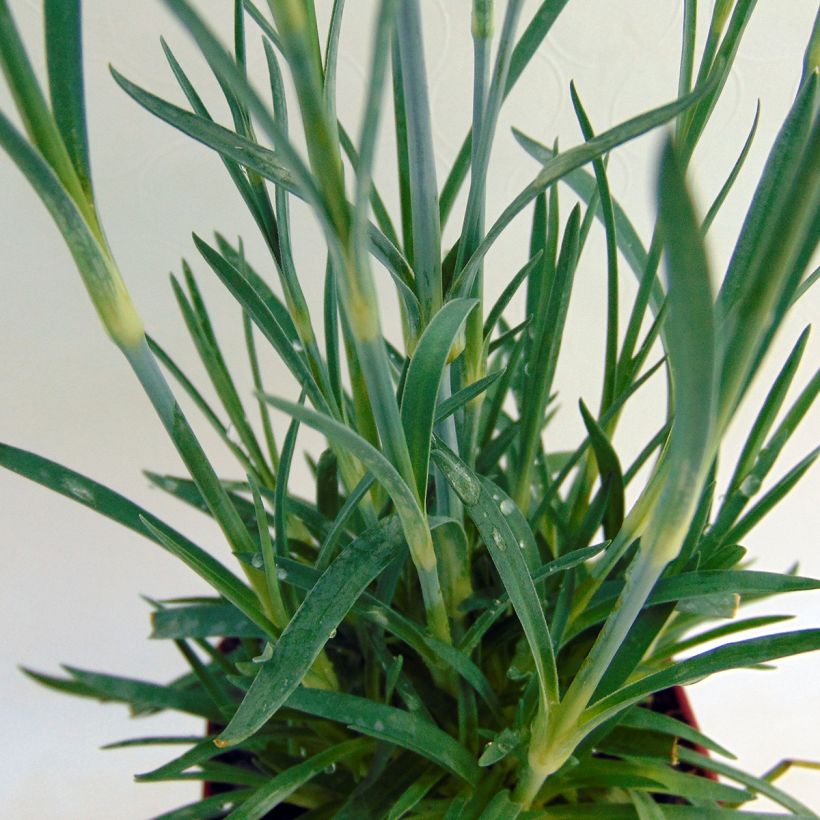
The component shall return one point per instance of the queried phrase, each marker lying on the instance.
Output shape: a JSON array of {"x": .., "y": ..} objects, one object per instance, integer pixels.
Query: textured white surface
[{"x": 68, "y": 395}]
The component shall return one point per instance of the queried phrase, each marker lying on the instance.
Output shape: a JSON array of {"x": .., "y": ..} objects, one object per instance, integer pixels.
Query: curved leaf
[
  {"x": 421, "y": 387},
  {"x": 118, "y": 508},
  {"x": 390, "y": 724},
  {"x": 313, "y": 624},
  {"x": 730, "y": 656}
]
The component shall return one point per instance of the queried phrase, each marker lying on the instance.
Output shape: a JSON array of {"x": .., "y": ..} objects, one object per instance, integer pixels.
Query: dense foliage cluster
[{"x": 465, "y": 619}]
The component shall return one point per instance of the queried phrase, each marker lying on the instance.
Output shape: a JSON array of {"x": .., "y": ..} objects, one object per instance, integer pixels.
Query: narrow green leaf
[
  {"x": 755, "y": 784},
  {"x": 263, "y": 318},
  {"x": 64, "y": 54},
  {"x": 491, "y": 521},
  {"x": 322, "y": 610},
  {"x": 509, "y": 291},
  {"x": 223, "y": 140},
  {"x": 280, "y": 787},
  {"x": 67, "y": 686},
  {"x": 143, "y": 695},
  {"x": 465, "y": 395},
  {"x": 419, "y": 157},
  {"x": 772, "y": 498},
  {"x": 526, "y": 47},
  {"x": 730, "y": 656},
  {"x": 413, "y": 795},
  {"x": 201, "y": 752},
  {"x": 197, "y": 398},
  {"x": 671, "y": 812},
  {"x": 668, "y": 647},
  {"x": 602, "y": 181},
  {"x": 209, "y": 807},
  {"x": 202, "y": 621},
  {"x": 697, "y": 585},
  {"x": 715, "y": 69},
  {"x": 390, "y": 724},
  {"x": 780, "y": 220},
  {"x": 120, "y": 509},
  {"x": 646, "y": 807},
  {"x": 372, "y": 459},
  {"x": 768, "y": 412},
  {"x": 502, "y": 807},
  {"x": 421, "y": 388},
  {"x": 658, "y": 777},
  {"x": 715, "y": 207},
  {"x": 546, "y": 342},
  {"x": 39, "y": 123},
  {"x": 690, "y": 329},
  {"x": 609, "y": 467},
  {"x": 651, "y": 721},
  {"x": 561, "y": 165},
  {"x": 208, "y": 568},
  {"x": 584, "y": 185},
  {"x": 163, "y": 740}
]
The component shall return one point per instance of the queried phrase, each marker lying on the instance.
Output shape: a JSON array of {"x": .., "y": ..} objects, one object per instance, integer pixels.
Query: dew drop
[
  {"x": 332, "y": 634},
  {"x": 466, "y": 487},
  {"x": 281, "y": 574},
  {"x": 256, "y": 560},
  {"x": 330, "y": 769},
  {"x": 499, "y": 540},
  {"x": 78, "y": 490},
  {"x": 302, "y": 751},
  {"x": 267, "y": 654},
  {"x": 750, "y": 485},
  {"x": 297, "y": 346},
  {"x": 523, "y": 544},
  {"x": 378, "y": 726},
  {"x": 377, "y": 616},
  {"x": 507, "y": 507}
]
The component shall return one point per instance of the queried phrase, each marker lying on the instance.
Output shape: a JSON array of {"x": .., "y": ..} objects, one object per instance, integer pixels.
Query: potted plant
[{"x": 463, "y": 617}]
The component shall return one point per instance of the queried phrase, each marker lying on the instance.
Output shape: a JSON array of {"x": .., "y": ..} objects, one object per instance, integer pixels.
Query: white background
[{"x": 70, "y": 580}]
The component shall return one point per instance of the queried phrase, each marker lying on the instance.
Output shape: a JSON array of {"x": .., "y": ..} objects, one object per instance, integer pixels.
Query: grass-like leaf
[
  {"x": 278, "y": 788},
  {"x": 322, "y": 610},
  {"x": 389, "y": 724},
  {"x": 504, "y": 548},
  {"x": 731, "y": 656},
  {"x": 120, "y": 509},
  {"x": 424, "y": 376}
]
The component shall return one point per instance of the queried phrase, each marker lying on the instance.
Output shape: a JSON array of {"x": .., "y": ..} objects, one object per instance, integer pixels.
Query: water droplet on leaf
[
  {"x": 79, "y": 490},
  {"x": 750, "y": 485},
  {"x": 466, "y": 487}
]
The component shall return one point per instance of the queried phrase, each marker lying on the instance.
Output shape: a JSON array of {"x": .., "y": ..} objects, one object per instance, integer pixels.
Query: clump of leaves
[{"x": 441, "y": 632}]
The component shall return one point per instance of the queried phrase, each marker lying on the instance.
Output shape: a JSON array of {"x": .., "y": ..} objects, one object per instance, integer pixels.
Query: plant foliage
[{"x": 466, "y": 619}]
